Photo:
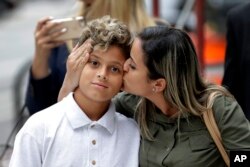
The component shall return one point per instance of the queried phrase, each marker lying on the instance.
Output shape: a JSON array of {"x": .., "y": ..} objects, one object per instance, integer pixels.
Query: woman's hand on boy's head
[
  {"x": 79, "y": 56},
  {"x": 75, "y": 64}
]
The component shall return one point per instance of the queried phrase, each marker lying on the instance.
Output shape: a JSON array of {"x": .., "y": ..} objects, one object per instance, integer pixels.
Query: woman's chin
[{"x": 123, "y": 88}]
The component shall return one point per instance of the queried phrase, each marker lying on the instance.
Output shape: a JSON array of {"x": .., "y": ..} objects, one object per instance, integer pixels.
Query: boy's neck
[{"x": 94, "y": 110}]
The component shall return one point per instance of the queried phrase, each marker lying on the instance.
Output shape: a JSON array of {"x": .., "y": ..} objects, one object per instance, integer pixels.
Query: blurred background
[{"x": 204, "y": 20}]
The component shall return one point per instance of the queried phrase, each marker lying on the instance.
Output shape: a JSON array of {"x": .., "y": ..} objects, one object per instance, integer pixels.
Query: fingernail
[
  {"x": 51, "y": 17},
  {"x": 64, "y": 30}
]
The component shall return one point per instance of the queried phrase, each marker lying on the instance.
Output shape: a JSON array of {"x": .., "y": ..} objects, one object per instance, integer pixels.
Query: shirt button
[
  {"x": 93, "y": 162},
  {"x": 93, "y": 142}
]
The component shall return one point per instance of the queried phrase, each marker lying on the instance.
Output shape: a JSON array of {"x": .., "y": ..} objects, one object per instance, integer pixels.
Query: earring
[{"x": 153, "y": 89}]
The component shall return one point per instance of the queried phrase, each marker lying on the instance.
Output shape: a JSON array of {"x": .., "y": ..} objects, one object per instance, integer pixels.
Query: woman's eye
[{"x": 132, "y": 66}]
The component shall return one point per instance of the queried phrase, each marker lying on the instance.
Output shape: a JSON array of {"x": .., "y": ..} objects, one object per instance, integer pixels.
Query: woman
[
  {"x": 49, "y": 62},
  {"x": 171, "y": 97},
  {"x": 174, "y": 96}
]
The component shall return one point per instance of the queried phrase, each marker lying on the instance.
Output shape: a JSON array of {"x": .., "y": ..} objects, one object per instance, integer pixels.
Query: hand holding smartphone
[{"x": 72, "y": 27}]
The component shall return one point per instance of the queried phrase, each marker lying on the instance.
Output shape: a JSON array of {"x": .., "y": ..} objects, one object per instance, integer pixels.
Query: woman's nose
[{"x": 126, "y": 66}]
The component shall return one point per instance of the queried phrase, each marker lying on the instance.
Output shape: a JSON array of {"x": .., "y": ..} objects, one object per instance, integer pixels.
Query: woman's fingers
[
  {"x": 87, "y": 45},
  {"x": 84, "y": 59},
  {"x": 81, "y": 51},
  {"x": 51, "y": 28},
  {"x": 51, "y": 37},
  {"x": 48, "y": 30},
  {"x": 79, "y": 56},
  {"x": 41, "y": 22},
  {"x": 52, "y": 45},
  {"x": 77, "y": 61},
  {"x": 77, "y": 45}
]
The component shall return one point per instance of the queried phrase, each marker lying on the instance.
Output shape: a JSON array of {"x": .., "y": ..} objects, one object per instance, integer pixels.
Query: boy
[{"x": 84, "y": 129}]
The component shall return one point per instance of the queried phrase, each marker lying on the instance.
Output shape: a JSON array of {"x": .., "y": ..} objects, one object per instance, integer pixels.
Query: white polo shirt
[{"x": 63, "y": 136}]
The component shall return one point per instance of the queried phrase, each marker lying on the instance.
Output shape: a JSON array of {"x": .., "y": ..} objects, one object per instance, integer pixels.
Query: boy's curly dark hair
[{"x": 107, "y": 31}]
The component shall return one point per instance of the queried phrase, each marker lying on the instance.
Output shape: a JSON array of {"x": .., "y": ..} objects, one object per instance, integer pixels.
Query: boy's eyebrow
[
  {"x": 112, "y": 62},
  {"x": 117, "y": 63},
  {"x": 93, "y": 55}
]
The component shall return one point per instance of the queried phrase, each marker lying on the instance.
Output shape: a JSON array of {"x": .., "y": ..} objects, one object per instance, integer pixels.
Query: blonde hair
[
  {"x": 107, "y": 31},
  {"x": 132, "y": 12},
  {"x": 169, "y": 53}
]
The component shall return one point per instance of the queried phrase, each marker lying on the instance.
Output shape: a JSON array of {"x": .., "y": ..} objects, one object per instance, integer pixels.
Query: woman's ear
[{"x": 159, "y": 85}]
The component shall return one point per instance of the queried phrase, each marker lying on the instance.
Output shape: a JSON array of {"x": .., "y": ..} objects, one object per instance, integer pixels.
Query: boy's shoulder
[
  {"x": 47, "y": 119},
  {"x": 126, "y": 121},
  {"x": 49, "y": 115},
  {"x": 53, "y": 110}
]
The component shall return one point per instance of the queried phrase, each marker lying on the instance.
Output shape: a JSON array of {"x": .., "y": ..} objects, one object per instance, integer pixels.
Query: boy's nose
[
  {"x": 102, "y": 77},
  {"x": 102, "y": 74}
]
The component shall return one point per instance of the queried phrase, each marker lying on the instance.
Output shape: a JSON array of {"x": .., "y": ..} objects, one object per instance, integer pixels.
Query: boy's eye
[
  {"x": 115, "y": 69},
  {"x": 94, "y": 63}
]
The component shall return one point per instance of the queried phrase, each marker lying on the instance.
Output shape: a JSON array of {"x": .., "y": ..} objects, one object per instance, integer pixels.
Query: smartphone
[{"x": 73, "y": 27}]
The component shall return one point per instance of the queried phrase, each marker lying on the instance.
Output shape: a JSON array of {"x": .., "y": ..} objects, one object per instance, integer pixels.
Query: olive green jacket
[{"x": 191, "y": 145}]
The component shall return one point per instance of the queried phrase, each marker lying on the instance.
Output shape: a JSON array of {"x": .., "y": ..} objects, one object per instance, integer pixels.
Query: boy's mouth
[{"x": 100, "y": 84}]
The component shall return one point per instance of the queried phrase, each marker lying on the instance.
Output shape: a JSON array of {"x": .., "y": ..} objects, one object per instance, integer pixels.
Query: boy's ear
[{"x": 159, "y": 85}]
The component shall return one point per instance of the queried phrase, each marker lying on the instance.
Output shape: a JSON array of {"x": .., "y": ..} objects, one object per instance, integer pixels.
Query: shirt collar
[
  {"x": 158, "y": 116},
  {"x": 78, "y": 118}
]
